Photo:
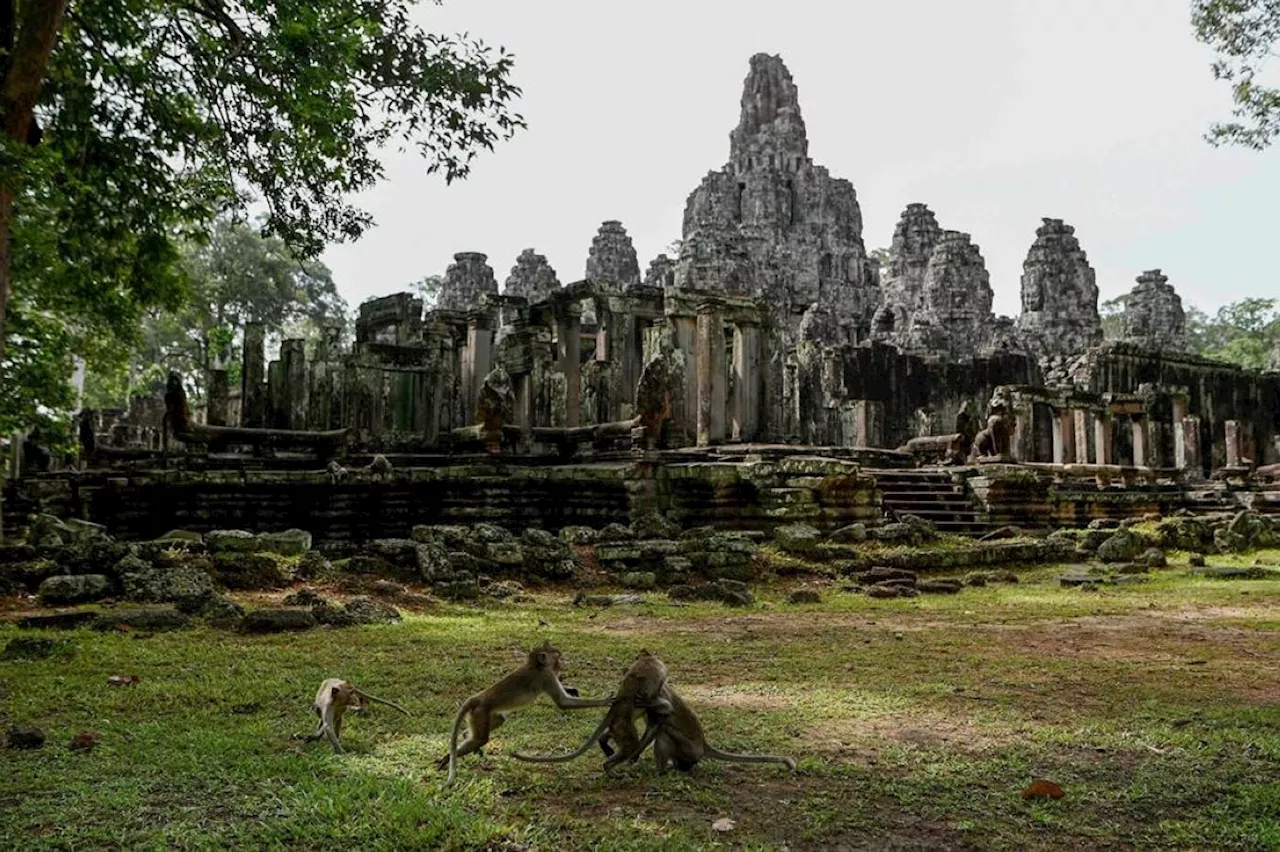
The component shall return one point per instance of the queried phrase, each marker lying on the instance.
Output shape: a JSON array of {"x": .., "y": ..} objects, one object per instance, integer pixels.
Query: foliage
[
  {"x": 153, "y": 116},
  {"x": 1246, "y": 332},
  {"x": 238, "y": 276},
  {"x": 881, "y": 258},
  {"x": 1112, "y": 312},
  {"x": 428, "y": 289},
  {"x": 1241, "y": 34}
]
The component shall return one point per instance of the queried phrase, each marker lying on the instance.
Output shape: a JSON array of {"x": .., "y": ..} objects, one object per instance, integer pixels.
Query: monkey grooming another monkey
[
  {"x": 487, "y": 710},
  {"x": 336, "y": 697},
  {"x": 678, "y": 737},
  {"x": 641, "y": 685}
]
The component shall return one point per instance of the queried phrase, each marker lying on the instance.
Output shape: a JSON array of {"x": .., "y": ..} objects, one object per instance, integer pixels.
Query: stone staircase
[{"x": 932, "y": 496}]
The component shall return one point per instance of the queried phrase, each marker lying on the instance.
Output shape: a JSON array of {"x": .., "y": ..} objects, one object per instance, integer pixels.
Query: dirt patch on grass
[{"x": 862, "y": 737}]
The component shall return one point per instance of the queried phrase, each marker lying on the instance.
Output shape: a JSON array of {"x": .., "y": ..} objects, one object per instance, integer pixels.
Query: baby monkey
[
  {"x": 336, "y": 697},
  {"x": 641, "y": 686},
  {"x": 485, "y": 711}
]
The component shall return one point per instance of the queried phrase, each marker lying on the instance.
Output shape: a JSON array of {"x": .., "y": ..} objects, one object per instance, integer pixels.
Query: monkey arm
[{"x": 565, "y": 701}]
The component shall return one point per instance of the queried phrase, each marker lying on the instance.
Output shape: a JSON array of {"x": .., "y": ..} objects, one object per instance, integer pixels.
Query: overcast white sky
[{"x": 993, "y": 112}]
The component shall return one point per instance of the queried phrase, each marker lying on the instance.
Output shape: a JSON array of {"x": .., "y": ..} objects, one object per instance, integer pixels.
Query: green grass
[{"x": 916, "y": 724}]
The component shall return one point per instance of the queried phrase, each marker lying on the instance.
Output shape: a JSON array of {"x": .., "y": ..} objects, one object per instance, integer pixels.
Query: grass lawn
[{"x": 916, "y": 723}]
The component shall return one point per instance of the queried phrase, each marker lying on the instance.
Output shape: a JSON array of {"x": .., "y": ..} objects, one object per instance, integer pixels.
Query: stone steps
[{"x": 931, "y": 495}]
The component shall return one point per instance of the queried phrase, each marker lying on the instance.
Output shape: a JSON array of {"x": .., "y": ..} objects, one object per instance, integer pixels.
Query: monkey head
[
  {"x": 548, "y": 657},
  {"x": 347, "y": 695}
]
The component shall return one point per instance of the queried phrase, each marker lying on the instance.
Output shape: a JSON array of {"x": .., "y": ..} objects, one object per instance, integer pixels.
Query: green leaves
[
  {"x": 158, "y": 114},
  {"x": 1244, "y": 332},
  {"x": 1242, "y": 33}
]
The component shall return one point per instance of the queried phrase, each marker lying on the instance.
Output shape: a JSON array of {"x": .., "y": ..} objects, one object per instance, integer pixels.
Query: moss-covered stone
[
  {"x": 73, "y": 589},
  {"x": 250, "y": 570}
]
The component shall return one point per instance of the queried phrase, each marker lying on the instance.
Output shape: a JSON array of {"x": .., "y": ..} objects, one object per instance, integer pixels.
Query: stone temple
[{"x": 771, "y": 373}]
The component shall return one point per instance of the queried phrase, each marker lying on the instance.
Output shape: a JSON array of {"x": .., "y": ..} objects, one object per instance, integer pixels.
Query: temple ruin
[{"x": 766, "y": 374}]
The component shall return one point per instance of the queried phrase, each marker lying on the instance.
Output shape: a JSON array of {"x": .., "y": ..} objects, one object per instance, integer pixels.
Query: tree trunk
[{"x": 34, "y": 26}]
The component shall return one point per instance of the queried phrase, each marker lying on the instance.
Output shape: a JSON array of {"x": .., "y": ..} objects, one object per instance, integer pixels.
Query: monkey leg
[
  {"x": 479, "y": 727},
  {"x": 661, "y": 752}
]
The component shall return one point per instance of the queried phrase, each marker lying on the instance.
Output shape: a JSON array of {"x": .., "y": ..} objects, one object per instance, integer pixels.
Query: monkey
[
  {"x": 336, "y": 472},
  {"x": 335, "y": 697},
  {"x": 380, "y": 467},
  {"x": 641, "y": 685},
  {"x": 678, "y": 737},
  {"x": 485, "y": 711}
]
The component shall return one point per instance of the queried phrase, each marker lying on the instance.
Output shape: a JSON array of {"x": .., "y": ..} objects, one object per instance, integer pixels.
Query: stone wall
[
  {"x": 832, "y": 384},
  {"x": 1216, "y": 392}
]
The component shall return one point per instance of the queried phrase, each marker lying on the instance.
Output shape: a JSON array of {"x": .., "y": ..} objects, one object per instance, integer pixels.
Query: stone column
[
  {"x": 253, "y": 376},
  {"x": 1140, "y": 435},
  {"x": 1188, "y": 449},
  {"x": 1064, "y": 436},
  {"x": 1232, "y": 429},
  {"x": 746, "y": 381},
  {"x": 1102, "y": 439},
  {"x": 277, "y": 406},
  {"x": 569, "y": 332},
  {"x": 711, "y": 374},
  {"x": 1020, "y": 417},
  {"x": 219, "y": 393},
  {"x": 293, "y": 357},
  {"x": 685, "y": 428},
  {"x": 1082, "y": 435},
  {"x": 868, "y": 423},
  {"x": 478, "y": 359}
]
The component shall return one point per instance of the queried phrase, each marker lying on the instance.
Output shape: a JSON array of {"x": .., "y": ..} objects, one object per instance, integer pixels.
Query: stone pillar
[
  {"x": 868, "y": 423},
  {"x": 1020, "y": 418},
  {"x": 477, "y": 360},
  {"x": 1232, "y": 429},
  {"x": 685, "y": 428},
  {"x": 1140, "y": 436},
  {"x": 1102, "y": 440},
  {"x": 253, "y": 377},
  {"x": 1064, "y": 436},
  {"x": 711, "y": 374},
  {"x": 277, "y": 403},
  {"x": 324, "y": 407},
  {"x": 1187, "y": 451},
  {"x": 1082, "y": 435},
  {"x": 219, "y": 392},
  {"x": 746, "y": 381},
  {"x": 569, "y": 332},
  {"x": 293, "y": 357}
]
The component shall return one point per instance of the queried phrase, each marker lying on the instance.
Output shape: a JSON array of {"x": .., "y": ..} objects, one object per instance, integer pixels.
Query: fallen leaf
[
  {"x": 723, "y": 825},
  {"x": 83, "y": 741},
  {"x": 1042, "y": 789},
  {"x": 123, "y": 680}
]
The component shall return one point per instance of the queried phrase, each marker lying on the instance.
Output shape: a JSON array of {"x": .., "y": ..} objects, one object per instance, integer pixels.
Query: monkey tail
[
  {"x": 453, "y": 742},
  {"x": 730, "y": 757},
  {"x": 562, "y": 758},
  {"x": 375, "y": 698}
]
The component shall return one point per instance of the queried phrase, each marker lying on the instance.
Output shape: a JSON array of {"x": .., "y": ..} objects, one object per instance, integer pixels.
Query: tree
[
  {"x": 428, "y": 289},
  {"x": 238, "y": 276},
  {"x": 1244, "y": 332},
  {"x": 881, "y": 258},
  {"x": 129, "y": 124},
  {"x": 1241, "y": 33},
  {"x": 1112, "y": 313}
]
